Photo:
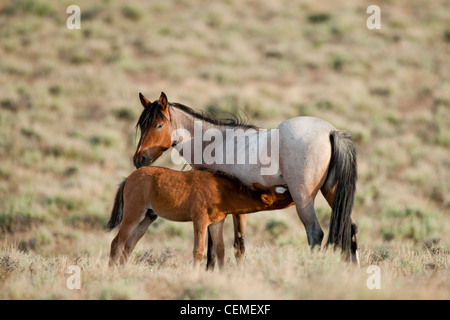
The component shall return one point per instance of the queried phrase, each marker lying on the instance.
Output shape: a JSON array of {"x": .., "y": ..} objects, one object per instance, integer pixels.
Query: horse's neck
[
  {"x": 194, "y": 134},
  {"x": 186, "y": 124},
  {"x": 243, "y": 162},
  {"x": 181, "y": 120}
]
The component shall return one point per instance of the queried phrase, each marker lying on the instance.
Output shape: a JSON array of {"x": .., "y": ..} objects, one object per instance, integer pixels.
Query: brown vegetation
[{"x": 69, "y": 103}]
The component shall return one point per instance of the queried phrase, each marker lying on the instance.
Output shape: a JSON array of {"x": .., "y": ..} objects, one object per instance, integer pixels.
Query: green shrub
[
  {"x": 34, "y": 7},
  {"x": 276, "y": 227},
  {"x": 131, "y": 13},
  {"x": 319, "y": 17}
]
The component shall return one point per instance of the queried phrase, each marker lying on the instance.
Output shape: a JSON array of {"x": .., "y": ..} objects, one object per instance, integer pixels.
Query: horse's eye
[{"x": 159, "y": 126}]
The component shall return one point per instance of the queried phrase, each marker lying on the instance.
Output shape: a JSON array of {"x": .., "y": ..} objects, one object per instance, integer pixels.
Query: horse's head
[
  {"x": 276, "y": 197},
  {"x": 156, "y": 131}
]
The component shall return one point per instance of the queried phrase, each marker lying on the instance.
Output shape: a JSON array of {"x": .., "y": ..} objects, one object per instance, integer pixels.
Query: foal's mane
[
  {"x": 235, "y": 181},
  {"x": 230, "y": 120}
]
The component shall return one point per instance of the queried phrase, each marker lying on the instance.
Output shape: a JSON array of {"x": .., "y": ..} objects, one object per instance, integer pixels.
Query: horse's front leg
[
  {"x": 240, "y": 224},
  {"x": 211, "y": 253}
]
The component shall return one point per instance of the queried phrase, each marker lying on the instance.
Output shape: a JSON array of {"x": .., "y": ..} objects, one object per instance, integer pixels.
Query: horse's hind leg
[
  {"x": 303, "y": 189},
  {"x": 210, "y": 253},
  {"x": 150, "y": 217},
  {"x": 329, "y": 192},
  {"x": 354, "y": 248},
  {"x": 304, "y": 155},
  {"x": 308, "y": 217}
]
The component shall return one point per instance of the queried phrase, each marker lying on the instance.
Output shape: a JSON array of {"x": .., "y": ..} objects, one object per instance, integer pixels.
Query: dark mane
[
  {"x": 148, "y": 115},
  {"x": 151, "y": 112},
  {"x": 231, "y": 120}
]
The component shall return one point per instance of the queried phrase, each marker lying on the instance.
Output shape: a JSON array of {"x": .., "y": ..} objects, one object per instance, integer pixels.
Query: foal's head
[
  {"x": 156, "y": 131},
  {"x": 275, "y": 197}
]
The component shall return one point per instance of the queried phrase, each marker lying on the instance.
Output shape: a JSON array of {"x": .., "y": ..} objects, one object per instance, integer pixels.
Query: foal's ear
[
  {"x": 144, "y": 101},
  {"x": 163, "y": 101},
  {"x": 266, "y": 199},
  {"x": 258, "y": 186}
]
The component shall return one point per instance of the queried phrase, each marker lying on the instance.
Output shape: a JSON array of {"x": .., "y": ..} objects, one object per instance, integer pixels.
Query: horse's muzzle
[{"x": 141, "y": 161}]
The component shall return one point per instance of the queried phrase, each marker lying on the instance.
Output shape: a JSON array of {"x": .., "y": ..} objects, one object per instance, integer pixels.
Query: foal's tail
[
  {"x": 117, "y": 211},
  {"x": 343, "y": 171}
]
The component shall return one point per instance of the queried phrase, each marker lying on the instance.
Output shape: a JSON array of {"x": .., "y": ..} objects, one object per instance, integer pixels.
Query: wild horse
[{"x": 307, "y": 154}]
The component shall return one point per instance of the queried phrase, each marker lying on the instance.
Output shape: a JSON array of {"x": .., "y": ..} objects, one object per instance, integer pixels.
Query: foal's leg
[
  {"x": 115, "y": 251},
  {"x": 240, "y": 223},
  {"x": 127, "y": 229},
  {"x": 118, "y": 244},
  {"x": 150, "y": 217},
  {"x": 199, "y": 242},
  {"x": 217, "y": 237}
]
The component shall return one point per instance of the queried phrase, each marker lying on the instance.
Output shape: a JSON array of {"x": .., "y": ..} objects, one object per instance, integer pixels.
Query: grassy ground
[{"x": 69, "y": 103}]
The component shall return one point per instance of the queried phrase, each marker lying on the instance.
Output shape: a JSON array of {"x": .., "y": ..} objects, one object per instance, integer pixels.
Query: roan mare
[
  {"x": 308, "y": 153},
  {"x": 200, "y": 196}
]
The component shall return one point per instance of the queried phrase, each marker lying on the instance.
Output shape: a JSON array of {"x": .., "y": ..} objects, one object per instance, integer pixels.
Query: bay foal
[{"x": 200, "y": 196}]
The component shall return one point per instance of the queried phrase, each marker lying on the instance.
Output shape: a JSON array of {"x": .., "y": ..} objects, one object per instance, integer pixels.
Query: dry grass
[
  {"x": 69, "y": 103},
  {"x": 268, "y": 272}
]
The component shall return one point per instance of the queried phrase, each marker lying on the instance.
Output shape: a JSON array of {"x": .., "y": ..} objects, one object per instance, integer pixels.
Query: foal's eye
[{"x": 159, "y": 126}]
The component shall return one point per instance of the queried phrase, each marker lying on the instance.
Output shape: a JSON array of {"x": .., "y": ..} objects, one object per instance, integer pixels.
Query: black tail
[
  {"x": 343, "y": 167},
  {"x": 117, "y": 211}
]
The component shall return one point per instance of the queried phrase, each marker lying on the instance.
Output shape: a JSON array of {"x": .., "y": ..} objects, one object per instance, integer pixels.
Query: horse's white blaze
[{"x": 140, "y": 142}]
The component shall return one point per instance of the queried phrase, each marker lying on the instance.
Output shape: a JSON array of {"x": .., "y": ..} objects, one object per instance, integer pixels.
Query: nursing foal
[{"x": 200, "y": 196}]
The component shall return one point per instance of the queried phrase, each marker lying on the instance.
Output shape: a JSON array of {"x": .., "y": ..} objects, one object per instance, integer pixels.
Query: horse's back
[{"x": 305, "y": 128}]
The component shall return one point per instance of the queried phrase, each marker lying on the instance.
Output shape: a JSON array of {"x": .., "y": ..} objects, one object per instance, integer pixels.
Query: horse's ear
[
  {"x": 144, "y": 101},
  {"x": 266, "y": 199},
  {"x": 163, "y": 101},
  {"x": 258, "y": 187}
]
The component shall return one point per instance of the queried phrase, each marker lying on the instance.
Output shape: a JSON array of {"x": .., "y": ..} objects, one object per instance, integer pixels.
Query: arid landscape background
[{"x": 69, "y": 104}]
